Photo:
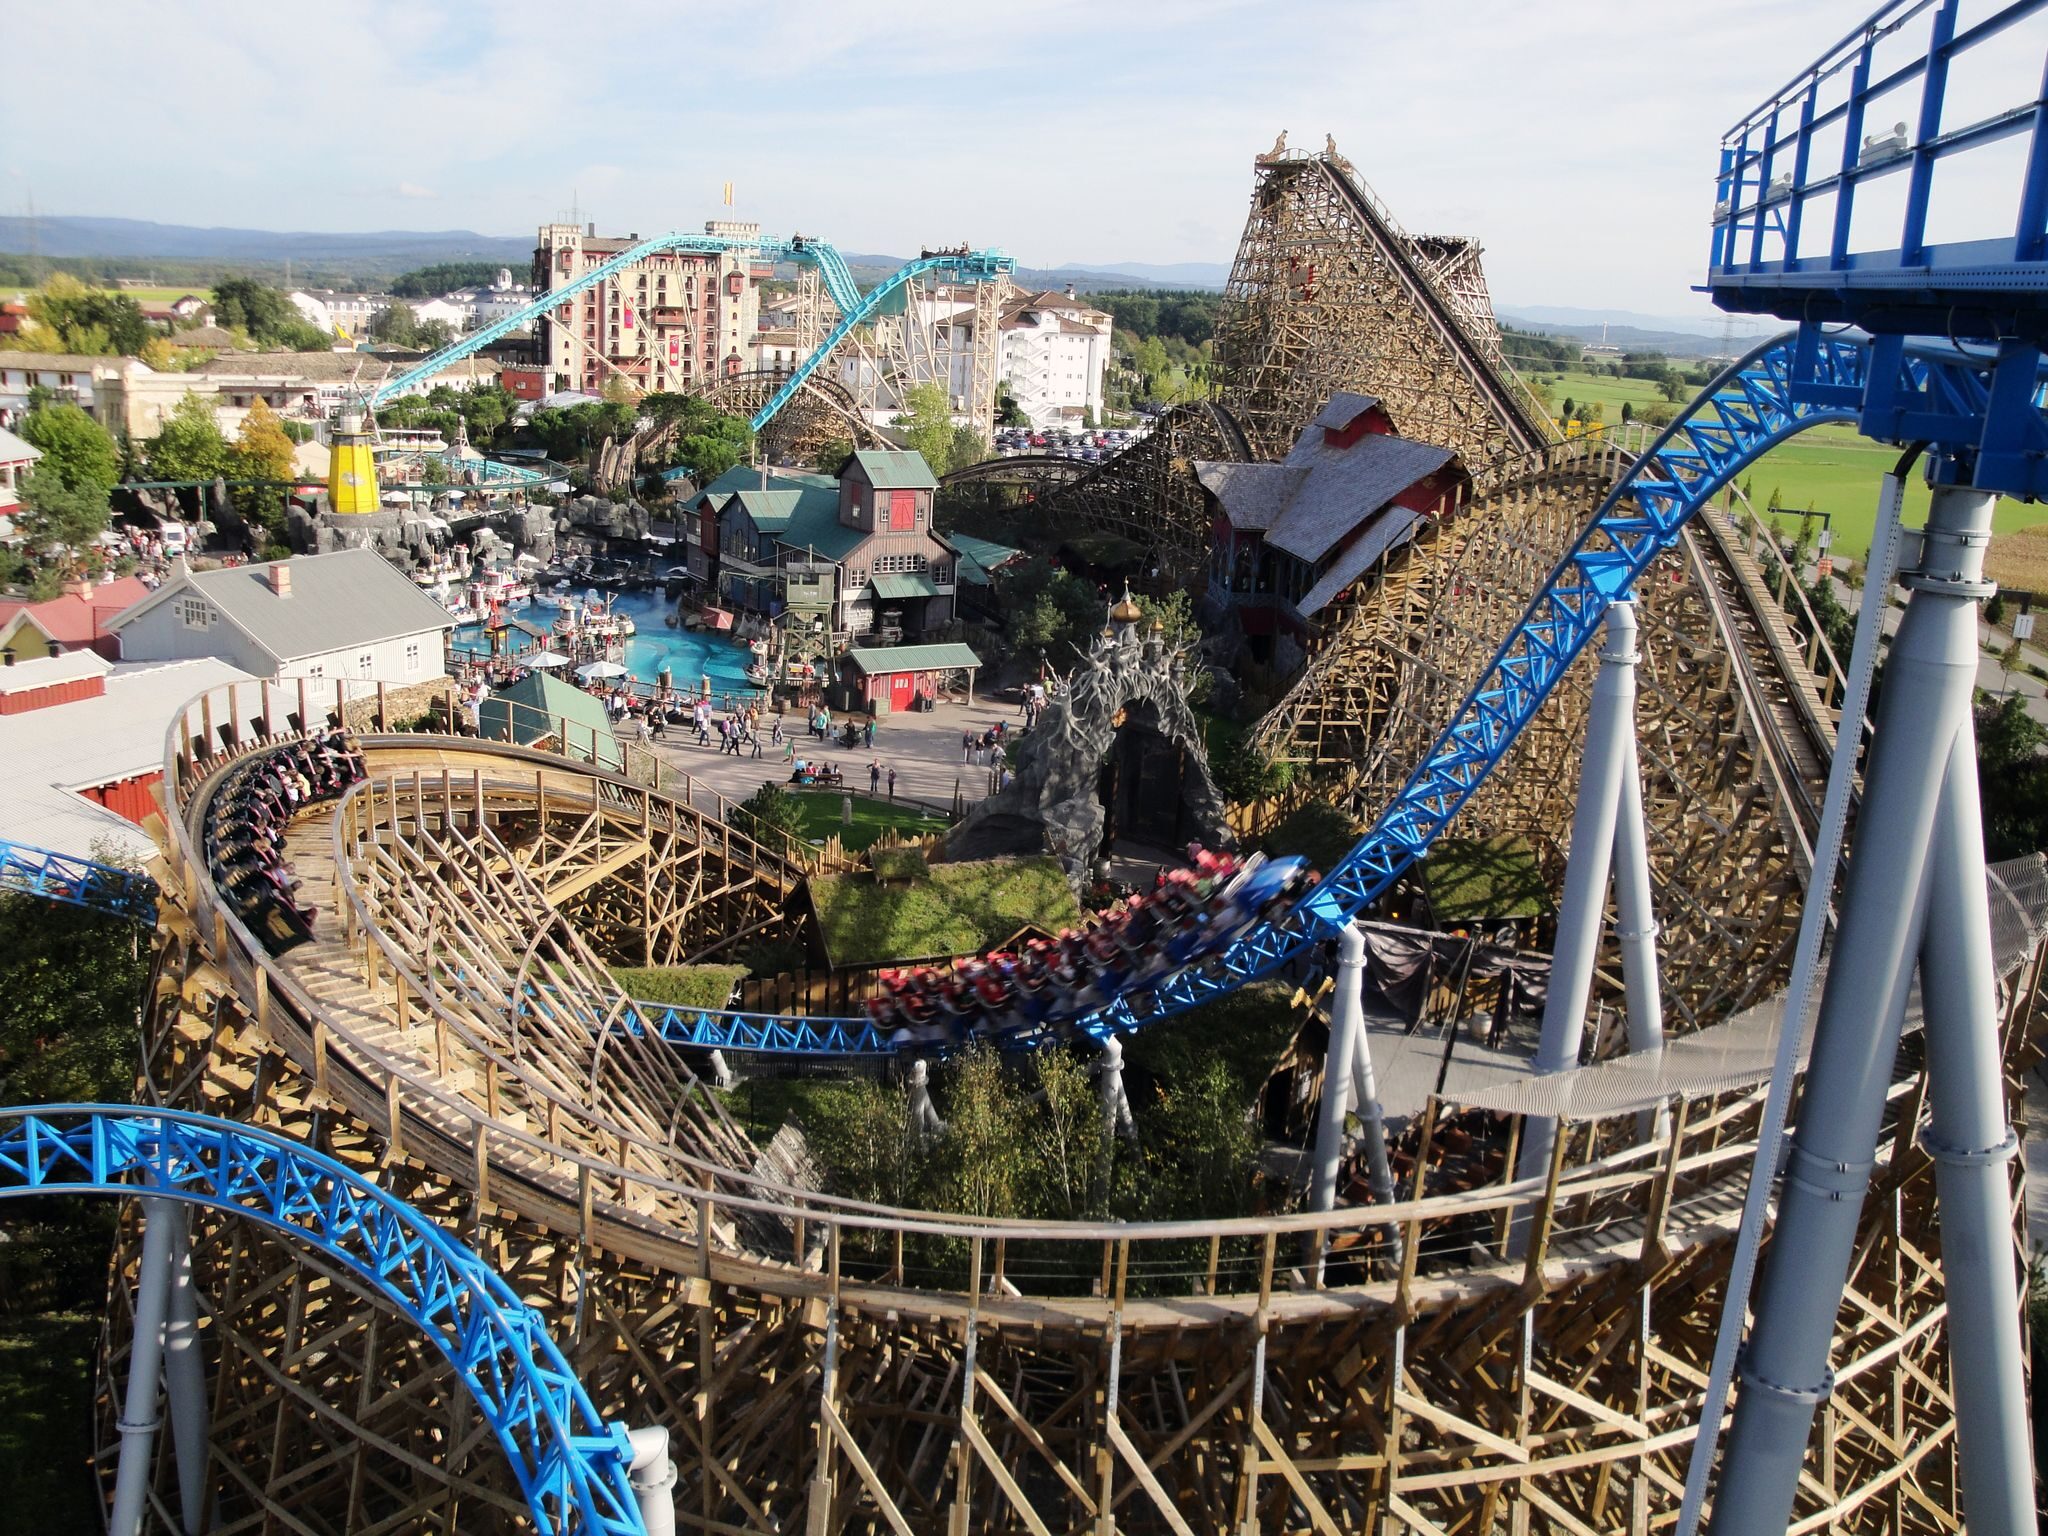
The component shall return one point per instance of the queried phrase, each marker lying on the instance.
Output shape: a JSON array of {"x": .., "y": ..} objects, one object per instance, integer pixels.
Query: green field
[{"x": 1832, "y": 469}]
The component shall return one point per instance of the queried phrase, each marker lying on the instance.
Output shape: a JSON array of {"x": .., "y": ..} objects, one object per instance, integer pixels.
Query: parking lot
[{"x": 1088, "y": 444}]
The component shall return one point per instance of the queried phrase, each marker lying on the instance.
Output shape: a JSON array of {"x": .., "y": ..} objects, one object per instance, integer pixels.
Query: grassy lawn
[
  {"x": 685, "y": 986},
  {"x": 954, "y": 909},
  {"x": 46, "y": 1380},
  {"x": 1833, "y": 469},
  {"x": 821, "y": 809},
  {"x": 1475, "y": 879}
]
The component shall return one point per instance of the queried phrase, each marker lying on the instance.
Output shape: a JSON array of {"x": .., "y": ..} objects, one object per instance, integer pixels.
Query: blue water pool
[{"x": 687, "y": 655}]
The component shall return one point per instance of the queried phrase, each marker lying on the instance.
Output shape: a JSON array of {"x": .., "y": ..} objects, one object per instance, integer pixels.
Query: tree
[
  {"x": 987, "y": 1144},
  {"x": 720, "y": 442},
  {"x": 1994, "y": 611},
  {"x": 968, "y": 447},
  {"x": 434, "y": 335},
  {"x": 926, "y": 426},
  {"x": 397, "y": 325},
  {"x": 190, "y": 446},
  {"x": 2009, "y": 661},
  {"x": 1008, "y": 412},
  {"x": 616, "y": 390},
  {"x": 832, "y": 455},
  {"x": 64, "y": 315},
  {"x": 262, "y": 451},
  {"x": 57, "y": 524},
  {"x": 266, "y": 313},
  {"x": 2012, "y": 777},
  {"x": 72, "y": 981},
  {"x": 445, "y": 277},
  {"x": 76, "y": 450},
  {"x": 1628, "y": 413},
  {"x": 1071, "y": 1153},
  {"x": 1673, "y": 388},
  {"x": 770, "y": 816},
  {"x": 1566, "y": 413}
]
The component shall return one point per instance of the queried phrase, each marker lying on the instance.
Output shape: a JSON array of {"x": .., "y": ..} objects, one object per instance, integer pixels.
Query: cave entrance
[{"x": 1145, "y": 785}]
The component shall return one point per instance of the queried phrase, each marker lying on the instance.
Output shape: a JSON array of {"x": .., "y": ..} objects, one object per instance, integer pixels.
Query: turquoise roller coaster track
[
  {"x": 855, "y": 308},
  {"x": 570, "y": 1463}
]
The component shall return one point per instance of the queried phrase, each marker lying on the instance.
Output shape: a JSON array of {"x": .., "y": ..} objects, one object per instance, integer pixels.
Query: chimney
[
  {"x": 590, "y": 230},
  {"x": 78, "y": 587},
  {"x": 281, "y": 578},
  {"x": 1070, "y": 292}
]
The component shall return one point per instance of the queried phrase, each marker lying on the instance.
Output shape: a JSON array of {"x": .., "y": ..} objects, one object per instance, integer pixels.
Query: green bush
[{"x": 1317, "y": 831}]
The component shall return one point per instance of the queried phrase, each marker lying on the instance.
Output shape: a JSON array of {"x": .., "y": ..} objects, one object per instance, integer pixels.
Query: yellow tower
[{"x": 351, "y": 472}]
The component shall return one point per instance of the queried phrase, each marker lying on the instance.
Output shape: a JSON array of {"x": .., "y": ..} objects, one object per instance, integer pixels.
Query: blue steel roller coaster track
[
  {"x": 1782, "y": 388},
  {"x": 76, "y": 882},
  {"x": 855, "y": 308},
  {"x": 570, "y": 1463}
]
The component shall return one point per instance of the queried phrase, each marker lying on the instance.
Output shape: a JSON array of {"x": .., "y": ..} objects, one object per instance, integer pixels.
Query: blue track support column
[
  {"x": 1923, "y": 715},
  {"x": 1973, "y": 1146},
  {"x": 1582, "y": 912}
]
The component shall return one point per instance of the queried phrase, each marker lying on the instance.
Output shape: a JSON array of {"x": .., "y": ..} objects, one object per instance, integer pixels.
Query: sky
[{"x": 1576, "y": 142}]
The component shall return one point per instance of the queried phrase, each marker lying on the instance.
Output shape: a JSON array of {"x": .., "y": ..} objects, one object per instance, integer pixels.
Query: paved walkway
[{"x": 924, "y": 749}]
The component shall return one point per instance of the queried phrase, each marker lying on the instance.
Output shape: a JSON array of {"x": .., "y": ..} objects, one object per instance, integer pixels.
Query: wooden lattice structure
[
  {"x": 1148, "y": 493},
  {"x": 828, "y": 1367},
  {"x": 1327, "y": 294},
  {"x": 837, "y": 1368}
]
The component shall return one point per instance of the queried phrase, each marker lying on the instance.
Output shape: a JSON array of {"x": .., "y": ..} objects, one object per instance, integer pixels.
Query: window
[
  {"x": 885, "y": 564},
  {"x": 195, "y": 612},
  {"x": 902, "y": 511},
  {"x": 412, "y": 655},
  {"x": 365, "y": 664}
]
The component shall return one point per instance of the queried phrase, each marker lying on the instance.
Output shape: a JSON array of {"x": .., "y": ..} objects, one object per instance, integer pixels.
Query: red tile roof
[{"x": 76, "y": 622}]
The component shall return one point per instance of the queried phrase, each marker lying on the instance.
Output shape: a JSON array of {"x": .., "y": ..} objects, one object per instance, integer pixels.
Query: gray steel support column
[
  {"x": 1635, "y": 918},
  {"x": 185, "y": 1373},
  {"x": 1610, "y": 729},
  {"x": 1929, "y": 682},
  {"x": 1347, "y": 1022},
  {"x": 138, "y": 1421},
  {"x": 652, "y": 1477},
  {"x": 1972, "y": 1145},
  {"x": 1116, "y": 1102},
  {"x": 1365, "y": 1089}
]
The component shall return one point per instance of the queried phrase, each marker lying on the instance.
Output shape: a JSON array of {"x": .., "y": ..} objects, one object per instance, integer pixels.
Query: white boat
[{"x": 497, "y": 586}]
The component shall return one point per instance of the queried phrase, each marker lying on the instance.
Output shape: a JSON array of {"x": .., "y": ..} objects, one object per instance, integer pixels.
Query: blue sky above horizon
[{"x": 1577, "y": 143}]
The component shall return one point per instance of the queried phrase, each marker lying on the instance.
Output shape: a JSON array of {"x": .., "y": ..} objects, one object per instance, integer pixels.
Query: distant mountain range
[
  {"x": 387, "y": 252},
  {"x": 391, "y": 250},
  {"x": 1678, "y": 335},
  {"x": 383, "y": 254}
]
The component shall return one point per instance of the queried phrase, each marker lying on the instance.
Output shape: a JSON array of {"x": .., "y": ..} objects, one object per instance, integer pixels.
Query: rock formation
[{"x": 1051, "y": 804}]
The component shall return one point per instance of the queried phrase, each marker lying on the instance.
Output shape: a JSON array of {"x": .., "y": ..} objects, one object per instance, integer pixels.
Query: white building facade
[
  {"x": 1055, "y": 356},
  {"x": 348, "y": 615}
]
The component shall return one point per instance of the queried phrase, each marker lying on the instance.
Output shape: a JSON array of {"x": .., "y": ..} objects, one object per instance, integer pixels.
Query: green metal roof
[
  {"x": 900, "y": 471},
  {"x": 980, "y": 558},
  {"x": 540, "y": 705},
  {"x": 770, "y": 510},
  {"x": 815, "y": 525},
  {"x": 913, "y": 584},
  {"x": 912, "y": 658}
]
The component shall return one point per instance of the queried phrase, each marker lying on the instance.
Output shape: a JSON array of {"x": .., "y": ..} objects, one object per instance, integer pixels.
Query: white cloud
[{"x": 1580, "y": 154}]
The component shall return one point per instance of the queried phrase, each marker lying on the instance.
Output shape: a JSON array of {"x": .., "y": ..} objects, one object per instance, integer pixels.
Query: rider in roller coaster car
[{"x": 1193, "y": 914}]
